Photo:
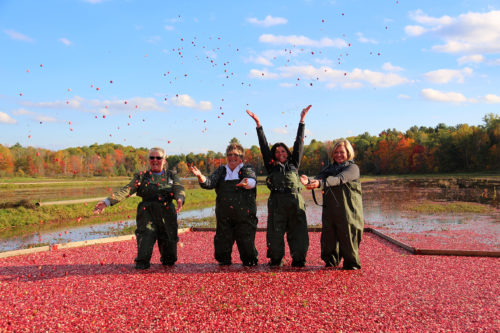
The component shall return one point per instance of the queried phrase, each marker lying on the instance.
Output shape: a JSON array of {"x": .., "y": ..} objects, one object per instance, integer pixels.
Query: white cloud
[
  {"x": 6, "y": 119},
  {"x": 46, "y": 119},
  {"x": 280, "y": 130},
  {"x": 473, "y": 58},
  {"x": 377, "y": 79},
  {"x": 323, "y": 61},
  {"x": 420, "y": 17},
  {"x": 491, "y": 99},
  {"x": 363, "y": 39},
  {"x": 391, "y": 68},
  {"x": 333, "y": 77},
  {"x": 260, "y": 60},
  {"x": 188, "y": 102},
  {"x": 93, "y": 1},
  {"x": 101, "y": 106},
  {"x": 65, "y": 41},
  {"x": 447, "y": 75},
  {"x": 22, "y": 112},
  {"x": 264, "y": 74},
  {"x": 352, "y": 85},
  {"x": 286, "y": 85},
  {"x": 446, "y": 97},
  {"x": 403, "y": 96},
  {"x": 154, "y": 39},
  {"x": 302, "y": 41},
  {"x": 169, "y": 27},
  {"x": 473, "y": 33},
  {"x": 268, "y": 21},
  {"x": 18, "y": 36},
  {"x": 414, "y": 30}
]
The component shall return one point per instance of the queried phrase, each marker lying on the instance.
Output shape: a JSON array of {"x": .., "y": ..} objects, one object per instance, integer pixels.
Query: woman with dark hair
[
  {"x": 156, "y": 214},
  {"x": 342, "y": 217},
  {"x": 235, "y": 206},
  {"x": 286, "y": 207}
]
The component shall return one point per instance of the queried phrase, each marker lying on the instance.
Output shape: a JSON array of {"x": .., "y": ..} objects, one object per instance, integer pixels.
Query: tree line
[{"x": 460, "y": 148}]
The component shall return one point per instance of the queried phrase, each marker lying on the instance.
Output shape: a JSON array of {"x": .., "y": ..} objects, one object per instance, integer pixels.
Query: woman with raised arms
[{"x": 286, "y": 207}]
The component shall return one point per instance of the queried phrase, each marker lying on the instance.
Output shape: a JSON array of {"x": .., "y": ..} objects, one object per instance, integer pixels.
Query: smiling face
[
  {"x": 340, "y": 154},
  {"x": 156, "y": 161},
  {"x": 233, "y": 159},
  {"x": 280, "y": 154}
]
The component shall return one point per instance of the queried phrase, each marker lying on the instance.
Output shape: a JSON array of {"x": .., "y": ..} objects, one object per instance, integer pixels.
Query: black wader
[{"x": 235, "y": 212}]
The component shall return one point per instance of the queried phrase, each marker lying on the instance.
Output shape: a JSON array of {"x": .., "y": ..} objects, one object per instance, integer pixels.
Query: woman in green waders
[
  {"x": 286, "y": 207},
  {"x": 342, "y": 218}
]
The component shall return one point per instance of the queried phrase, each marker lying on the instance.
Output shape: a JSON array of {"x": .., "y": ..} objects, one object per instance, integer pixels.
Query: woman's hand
[
  {"x": 194, "y": 170},
  {"x": 303, "y": 113},
  {"x": 179, "y": 206},
  {"x": 313, "y": 184},
  {"x": 101, "y": 205},
  {"x": 244, "y": 183},
  {"x": 254, "y": 117},
  {"x": 304, "y": 180}
]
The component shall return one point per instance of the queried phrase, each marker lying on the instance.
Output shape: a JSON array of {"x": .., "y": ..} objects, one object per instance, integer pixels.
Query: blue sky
[{"x": 180, "y": 74}]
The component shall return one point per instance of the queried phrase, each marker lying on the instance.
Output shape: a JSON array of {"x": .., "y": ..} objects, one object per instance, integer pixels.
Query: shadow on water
[{"x": 385, "y": 204}]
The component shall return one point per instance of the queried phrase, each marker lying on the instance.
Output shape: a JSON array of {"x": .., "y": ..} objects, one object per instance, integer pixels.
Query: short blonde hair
[
  {"x": 158, "y": 150},
  {"x": 348, "y": 148}
]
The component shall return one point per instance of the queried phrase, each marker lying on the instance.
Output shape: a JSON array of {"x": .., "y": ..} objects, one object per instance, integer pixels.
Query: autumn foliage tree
[{"x": 460, "y": 148}]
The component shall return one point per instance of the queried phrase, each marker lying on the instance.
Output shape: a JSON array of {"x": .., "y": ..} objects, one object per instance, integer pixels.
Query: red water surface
[{"x": 96, "y": 288}]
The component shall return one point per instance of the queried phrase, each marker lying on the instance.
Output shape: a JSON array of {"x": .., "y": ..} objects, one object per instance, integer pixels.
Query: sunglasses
[{"x": 152, "y": 158}]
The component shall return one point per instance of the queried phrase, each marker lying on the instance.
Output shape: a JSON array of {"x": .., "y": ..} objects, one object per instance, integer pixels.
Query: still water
[{"x": 384, "y": 205}]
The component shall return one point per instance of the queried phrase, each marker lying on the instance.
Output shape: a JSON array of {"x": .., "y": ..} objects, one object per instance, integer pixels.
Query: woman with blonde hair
[{"x": 342, "y": 217}]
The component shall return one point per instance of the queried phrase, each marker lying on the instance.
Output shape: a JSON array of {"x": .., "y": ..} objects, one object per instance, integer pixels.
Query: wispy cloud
[
  {"x": 447, "y": 75},
  {"x": 6, "y": 119},
  {"x": 100, "y": 106},
  {"x": 34, "y": 115},
  {"x": 280, "y": 130},
  {"x": 302, "y": 41},
  {"x": 260, "y": 60},
  {"x": 468, "y": 59},
  {"x": 473, "y": 33},
  {"x": 65, "y": 41},
  {"x": 363, "y": 39},
  {"x": 391, "y": 68},
  {"x": 18, "y": 36},
  {"x": 189, "y": 102},
  {"x": 333, "y": 77},
  {"x": 269, "y": 21}
]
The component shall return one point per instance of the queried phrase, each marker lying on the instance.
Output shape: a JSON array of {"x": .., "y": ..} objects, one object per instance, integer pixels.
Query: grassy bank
[
  {"x": 449, "y": 208},
  {"x": 81, "y": 213}
]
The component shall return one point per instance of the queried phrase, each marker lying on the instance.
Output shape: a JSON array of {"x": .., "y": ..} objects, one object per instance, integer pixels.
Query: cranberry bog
[{"x": 96, "y": 288}]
